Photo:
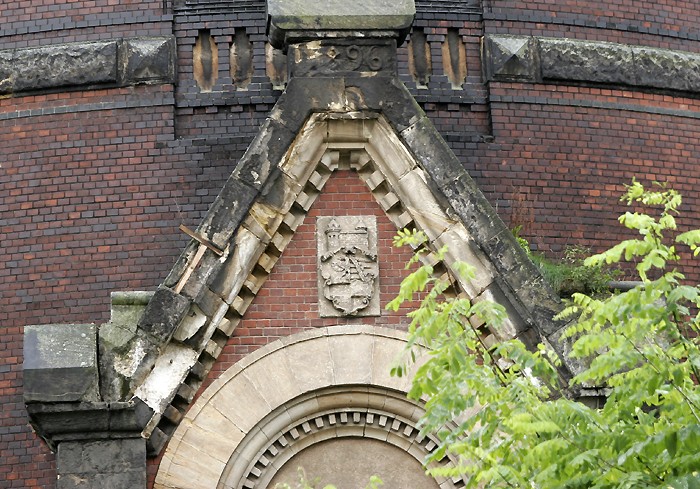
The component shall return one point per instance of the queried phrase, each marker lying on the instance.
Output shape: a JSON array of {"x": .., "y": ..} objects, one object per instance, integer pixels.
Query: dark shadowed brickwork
[{"x": 95, "y": 179}]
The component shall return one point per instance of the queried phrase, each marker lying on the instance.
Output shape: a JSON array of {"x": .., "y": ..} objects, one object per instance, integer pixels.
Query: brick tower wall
[{"x": 95, "y": 179}]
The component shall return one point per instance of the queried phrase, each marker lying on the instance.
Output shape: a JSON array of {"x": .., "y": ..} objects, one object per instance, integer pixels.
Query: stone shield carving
[{"x": 348, "y": 267}]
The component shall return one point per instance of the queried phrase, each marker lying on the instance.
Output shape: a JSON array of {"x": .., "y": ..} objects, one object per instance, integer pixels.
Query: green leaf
[{"x": 671, "y": 443}]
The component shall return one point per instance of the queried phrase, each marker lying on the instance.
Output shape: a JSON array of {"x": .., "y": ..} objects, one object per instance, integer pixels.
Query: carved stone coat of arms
[{"x": 348, "y": 267}]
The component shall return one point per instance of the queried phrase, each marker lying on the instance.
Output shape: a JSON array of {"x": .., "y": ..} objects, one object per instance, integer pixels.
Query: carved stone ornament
[
  {"x": 340, "y": 56},
  {"x": 348, "y": 267}
]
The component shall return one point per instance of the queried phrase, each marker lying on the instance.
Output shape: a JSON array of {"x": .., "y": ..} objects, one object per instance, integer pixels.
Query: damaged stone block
[{"x": 60, "y": 363}]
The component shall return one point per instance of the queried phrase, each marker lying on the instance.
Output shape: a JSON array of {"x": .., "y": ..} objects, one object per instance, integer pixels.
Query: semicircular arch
[{"x": 307, "y": 377}]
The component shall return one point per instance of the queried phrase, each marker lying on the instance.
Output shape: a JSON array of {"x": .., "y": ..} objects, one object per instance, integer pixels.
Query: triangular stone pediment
[{"x": 220, "y": 288}]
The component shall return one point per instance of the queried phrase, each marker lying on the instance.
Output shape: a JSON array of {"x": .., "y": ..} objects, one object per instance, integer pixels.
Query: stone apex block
[
  {"x": 341, "y": 14},
  {"x": 60, "y": 363},
  {"x": 338, "y": 15},
  {"x": 509, "y": 57}
]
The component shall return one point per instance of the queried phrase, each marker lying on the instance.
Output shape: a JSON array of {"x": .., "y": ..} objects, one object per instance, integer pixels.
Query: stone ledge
[
  {"x": 58, "y": 422},
  {"x": 536, "y": 59},
  {"x": 119, "y": 62}
]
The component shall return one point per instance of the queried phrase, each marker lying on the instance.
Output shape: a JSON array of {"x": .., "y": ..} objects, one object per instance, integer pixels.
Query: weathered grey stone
[
  {"x": 533, "y": 59},
  {"x": 59, "y": 65},
  {"x": 124, "y": 62},
  {"x": 191, "y": 324},
  {"x": 197, "y": 283},
  {"x": 537, "y": 297},
  {"x": 60, "y": 363},
  {"x": 163, "y": 314},
  {"x": 304, "y": 96},
  {"x": 662, "y": 68},
  {"x": 228, "y": 211},
  {"x": 127, "y": 309},
  {"x": 240, "y": 262},
  {"x": 7, "y": 71},
  {"x": 103, "y": 464},
  {"x": 115, "y": 339},
  {"x": 386, "y": 95},
  {"x": 473, "y": 209},
  {"x": 181, "y": 264},
  {"x": 56, "y": 422},
  {"x": 566, "y": 59},
  {"x": 509, "y": 57},
  {"x": 333, "y": 15},
  {"x": 262, "y": 157},
  {"x": 344, "y": 56},
  {"x": 432, "y": 152},
  {"x": 147, "y": 60}
]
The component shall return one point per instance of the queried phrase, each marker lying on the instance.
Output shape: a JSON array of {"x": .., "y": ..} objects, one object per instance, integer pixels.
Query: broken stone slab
[
  {"x": 114, "y": 339},
  {"x": 60, "y": 363},
  {"x": 128, "y": 353},
  {"x": 337, "y": 15}
]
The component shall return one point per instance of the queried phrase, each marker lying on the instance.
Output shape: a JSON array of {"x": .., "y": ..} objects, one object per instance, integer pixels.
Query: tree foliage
[{"x": 518, "y": 425}]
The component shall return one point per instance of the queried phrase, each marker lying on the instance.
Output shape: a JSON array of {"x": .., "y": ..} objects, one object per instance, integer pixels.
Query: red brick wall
[
  {"x": 90, "y": 202},
  {"x": 15, "y": 12},
  {"x": 561, "y": 156},
  {"x": 662, "y": 24}
]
